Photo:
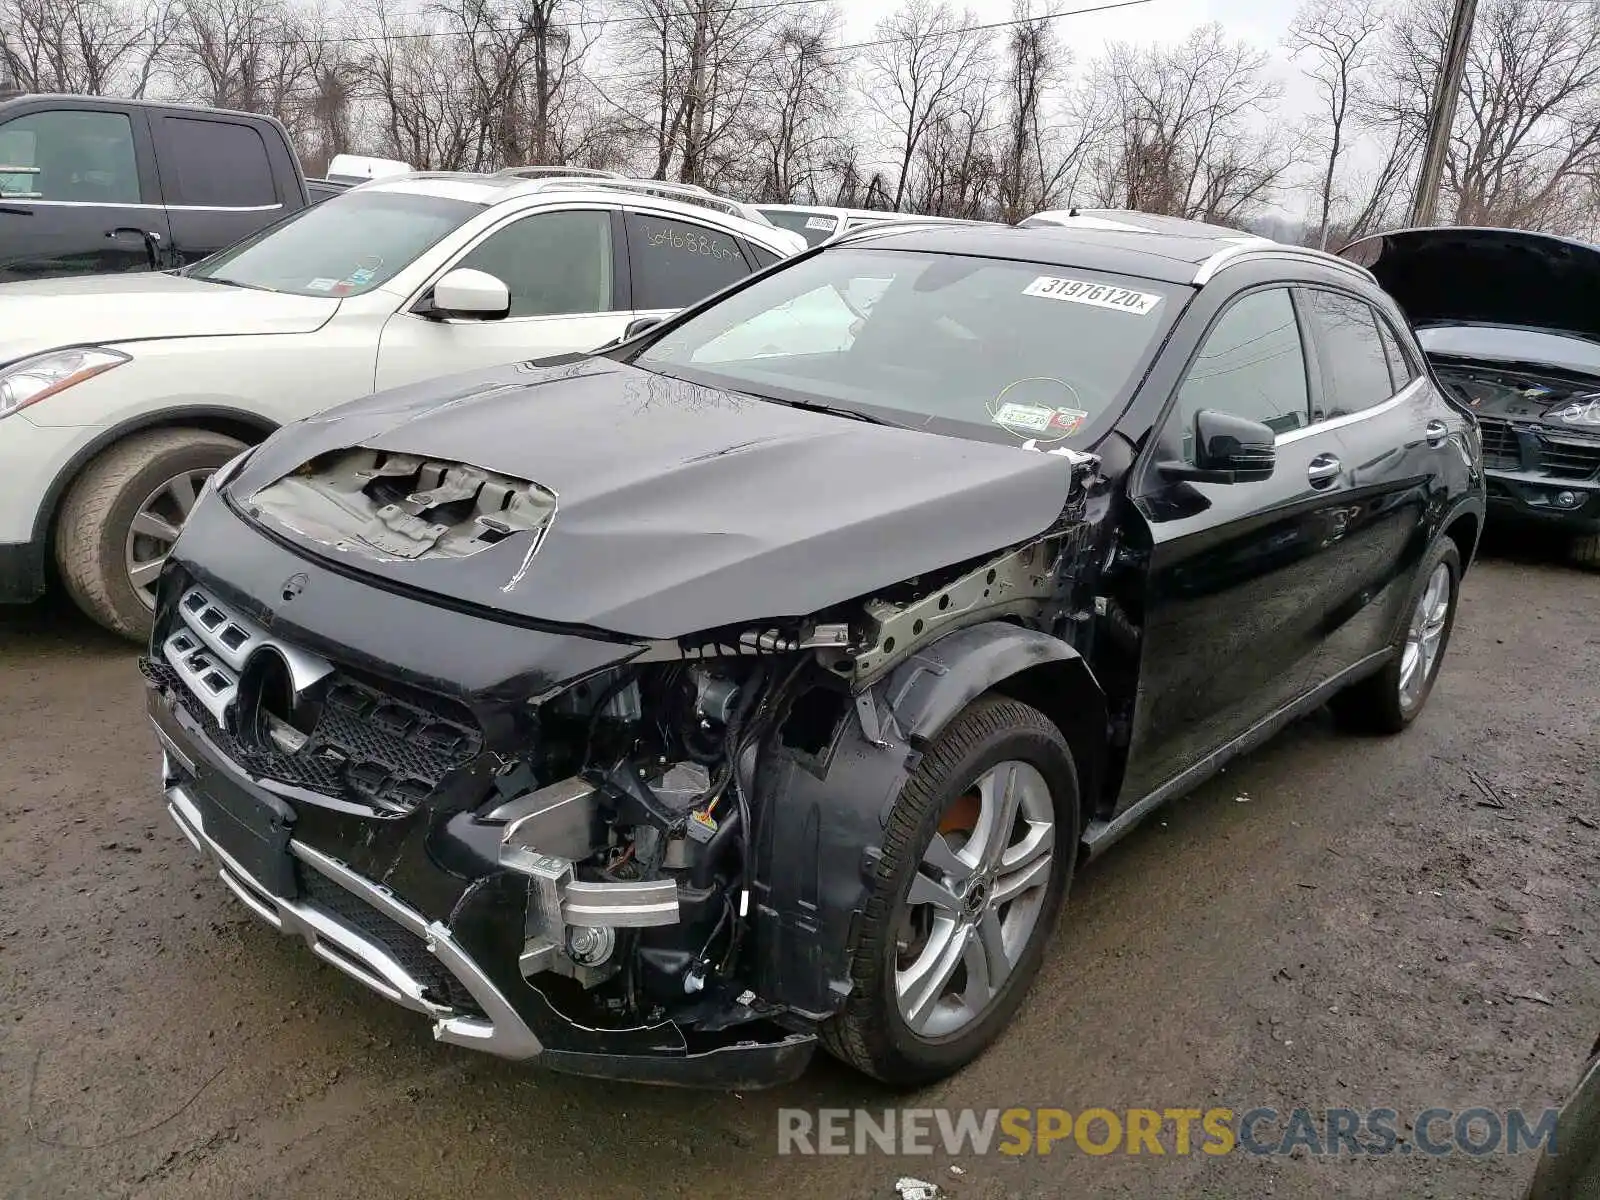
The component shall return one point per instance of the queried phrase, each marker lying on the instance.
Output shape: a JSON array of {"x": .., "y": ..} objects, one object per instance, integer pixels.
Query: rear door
[
  {"x": 78, "y": 190},
  {"x": 675, "y": 261},
  {"x": 1237, "y": 575},
  {"x": 1393, "y": 431},
  {"x": 223, "y": 180},
  {"x": 568, "y": 288}
]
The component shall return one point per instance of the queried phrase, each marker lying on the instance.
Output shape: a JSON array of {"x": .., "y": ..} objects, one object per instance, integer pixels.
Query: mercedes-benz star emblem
[{"x": 294, "y": 585}]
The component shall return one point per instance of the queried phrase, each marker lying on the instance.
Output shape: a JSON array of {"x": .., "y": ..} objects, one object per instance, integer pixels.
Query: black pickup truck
[{"x": 90, "y": 184}]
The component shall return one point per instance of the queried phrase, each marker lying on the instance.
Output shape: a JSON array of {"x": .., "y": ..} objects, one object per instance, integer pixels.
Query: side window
[
  {"x": 760, "y": 257},
  {"x": 84, "y": 157},
  {"x": 553, "y": 263},
  {"x": 676, "y": 263},
  {"x": 1400, "y": 369},
  {"x": 1355, "y": 365},
  {"x": 215, "y": 164},
  {"x": 1251, "y": 365}
]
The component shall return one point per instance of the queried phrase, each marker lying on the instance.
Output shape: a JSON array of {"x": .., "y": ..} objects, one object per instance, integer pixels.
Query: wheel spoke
[
  {"x": 988, "y": 946},
  {"x": 926, "y": 890},
  {"x": 182, "y": 491},
  {"x": 920, "y": 985},
  {"x": 144, "y": 574},
  {"x": 1000, "y": 791},
  {"x": 1029, "y": 875},
  {"x": 151, "y": 525},
  {"x": 941, "y": 858}
]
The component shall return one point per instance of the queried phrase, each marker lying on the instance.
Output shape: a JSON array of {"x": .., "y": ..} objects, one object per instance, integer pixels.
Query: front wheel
[
  {"x": 1390, "y": 700},
  {"x": 977, "y": 857},
  {"x": 122, "y": 515}
]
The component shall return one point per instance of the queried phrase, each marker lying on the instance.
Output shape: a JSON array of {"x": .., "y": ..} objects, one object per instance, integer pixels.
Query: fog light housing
[{"x": 1567, "y": 499}]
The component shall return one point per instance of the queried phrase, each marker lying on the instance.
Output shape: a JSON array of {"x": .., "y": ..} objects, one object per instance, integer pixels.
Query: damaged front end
[{"x": 638, "y": 858}]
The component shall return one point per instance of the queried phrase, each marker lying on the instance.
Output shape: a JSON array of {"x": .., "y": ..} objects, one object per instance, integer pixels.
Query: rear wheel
[
  {"x": 1390, "y": 700},
  {"x": 976, "y": 859},
  {"x": 122, "y": 515}
]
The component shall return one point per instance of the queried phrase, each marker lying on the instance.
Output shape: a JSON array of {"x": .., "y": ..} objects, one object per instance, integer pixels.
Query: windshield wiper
[{"x": 254, "y": 287}]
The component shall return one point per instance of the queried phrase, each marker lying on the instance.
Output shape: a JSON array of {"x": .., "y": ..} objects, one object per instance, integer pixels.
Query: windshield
[
  {"x": 982, "y": 347},
  {"x": 816, "y": 227},
  {"x": 344, "y": 246}
]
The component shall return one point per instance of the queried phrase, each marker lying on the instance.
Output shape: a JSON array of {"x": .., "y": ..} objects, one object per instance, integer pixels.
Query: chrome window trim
[
  {"x": 216, "y": 208},
  {"x": 1409, "y": 392}
]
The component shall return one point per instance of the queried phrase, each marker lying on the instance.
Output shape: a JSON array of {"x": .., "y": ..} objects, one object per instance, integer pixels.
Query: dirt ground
[{"x": 1333, "y": 922}]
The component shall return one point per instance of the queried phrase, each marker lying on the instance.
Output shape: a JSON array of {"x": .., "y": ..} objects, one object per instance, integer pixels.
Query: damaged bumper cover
[{"x": 367, "y": 931}]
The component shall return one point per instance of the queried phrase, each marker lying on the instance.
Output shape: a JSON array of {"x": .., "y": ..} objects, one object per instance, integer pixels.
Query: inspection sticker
[
  {"x": 321, "y": 285},
  {"x": 1101, "y": 295},
  {"x": 1038, "y": 418},
  {"x": 823, "y": 223}
]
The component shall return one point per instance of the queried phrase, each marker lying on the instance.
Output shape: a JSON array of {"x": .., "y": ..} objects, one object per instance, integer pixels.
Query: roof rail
[
  {"x": 1258, "y": 248},
  {"x": 686, "y": 192},
  {"x": 537, "y": 172}
]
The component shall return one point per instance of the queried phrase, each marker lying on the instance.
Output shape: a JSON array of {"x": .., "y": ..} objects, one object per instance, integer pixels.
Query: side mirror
[
  {"x": 639, "y": 325},
  {"x": 1228, "y": 449},
  {"x": 468, "y": 295}
]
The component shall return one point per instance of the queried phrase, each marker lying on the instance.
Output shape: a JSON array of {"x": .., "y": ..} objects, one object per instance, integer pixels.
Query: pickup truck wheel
[
  {"x": 1390, "y": 700},
  {"x": 977, "y": 856},
  {"x": 122, "y": 515}
]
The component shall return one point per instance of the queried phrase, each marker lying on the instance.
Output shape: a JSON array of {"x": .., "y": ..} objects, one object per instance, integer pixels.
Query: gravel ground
[{"x": 1369, "y": 928}]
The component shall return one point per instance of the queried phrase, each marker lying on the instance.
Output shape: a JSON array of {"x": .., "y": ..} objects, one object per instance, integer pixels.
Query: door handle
[
  {"x": 1436, "y": 432},
  {"x": 1324, "y": 469},
  {"x": 152, "y": 242}
]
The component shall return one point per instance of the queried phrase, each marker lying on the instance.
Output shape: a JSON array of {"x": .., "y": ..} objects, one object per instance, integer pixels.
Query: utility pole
[{"x": 1442, "y": 117}]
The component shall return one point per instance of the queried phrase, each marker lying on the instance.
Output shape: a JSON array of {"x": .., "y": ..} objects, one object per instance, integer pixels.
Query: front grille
[
  {"x": 1501, "y": 450},
  {"x": 1554, "y": 457},
  {"x": 1570, "y": 460},
  {"x": 366, "y": 745},
  {"x": 407, "y": 948}
]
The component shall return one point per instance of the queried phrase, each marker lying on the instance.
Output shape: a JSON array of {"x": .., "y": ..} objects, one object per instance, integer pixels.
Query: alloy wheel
[
  {"x": 975, "y": 901},
  {"x": 155, "y": 528},
  {"x": 1425, "y": 638}
]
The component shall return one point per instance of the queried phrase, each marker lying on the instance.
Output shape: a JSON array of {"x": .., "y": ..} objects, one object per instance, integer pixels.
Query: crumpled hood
[
  {"x": 1471, "y": 276},
  {"x": 39, "y": 315},
  {"x": 680, "y": 508}
]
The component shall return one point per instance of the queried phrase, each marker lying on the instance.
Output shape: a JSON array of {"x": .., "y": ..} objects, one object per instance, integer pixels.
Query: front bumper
[
  {"x": 466, "y": 982},
  {"x": 1538, "y": 499}
]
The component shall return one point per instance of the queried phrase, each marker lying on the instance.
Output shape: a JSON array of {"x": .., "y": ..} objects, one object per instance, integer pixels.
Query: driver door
[
  {"x": 1239, "y": 575},
  {"x": 568, "y": 294}
]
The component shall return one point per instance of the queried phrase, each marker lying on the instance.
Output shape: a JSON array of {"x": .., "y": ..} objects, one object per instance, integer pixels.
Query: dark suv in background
[
  {"x": 90, "y": 184},
  {"x": 760, "y": 682}
]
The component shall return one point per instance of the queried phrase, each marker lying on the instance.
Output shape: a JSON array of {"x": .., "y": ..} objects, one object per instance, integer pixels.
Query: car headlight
[
  {"x": 31, "y": 380},
  {"x": 1580, "y": 410}
]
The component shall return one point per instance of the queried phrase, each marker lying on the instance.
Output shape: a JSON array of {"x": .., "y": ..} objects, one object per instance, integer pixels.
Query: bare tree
[
  {"x": 94, "y": 47},
  {"x": 696, "y": 61},
  {"x": 795, "y": 106},
  {"x": 1188, "y": 132},
  {"x": 924, "y": 60},
  {"x": 1339, "y": 37}
]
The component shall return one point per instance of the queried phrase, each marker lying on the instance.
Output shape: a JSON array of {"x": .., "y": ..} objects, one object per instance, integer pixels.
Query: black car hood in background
[
  {"x": 1471, "y": 276},
  {"x": 680, "y": 507}
]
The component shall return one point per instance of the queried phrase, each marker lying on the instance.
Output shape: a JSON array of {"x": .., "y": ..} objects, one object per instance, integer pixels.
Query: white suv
[{"x": 120, "y": 394}]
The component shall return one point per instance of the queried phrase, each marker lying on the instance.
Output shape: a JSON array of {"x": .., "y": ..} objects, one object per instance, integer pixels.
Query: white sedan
[{"x": 119, "y": 395}]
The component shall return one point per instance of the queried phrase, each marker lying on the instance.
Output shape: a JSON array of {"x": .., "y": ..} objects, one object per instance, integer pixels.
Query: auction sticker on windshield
[
  {"x": 1037, "y": 418},
  {"x": 1101, "y": 295}
]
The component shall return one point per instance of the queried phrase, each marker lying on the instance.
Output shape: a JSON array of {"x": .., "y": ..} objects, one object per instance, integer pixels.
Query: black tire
[
  {"x": 91, "y": 533},
  {"x": 1585, "y": 551},
  {"x": 1374, "y": 704},
  {"x": 869, "y": 1032}
]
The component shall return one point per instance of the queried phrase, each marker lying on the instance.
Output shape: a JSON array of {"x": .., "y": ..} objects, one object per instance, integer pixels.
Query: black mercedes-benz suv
[{"x": 760, "y": 681}]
